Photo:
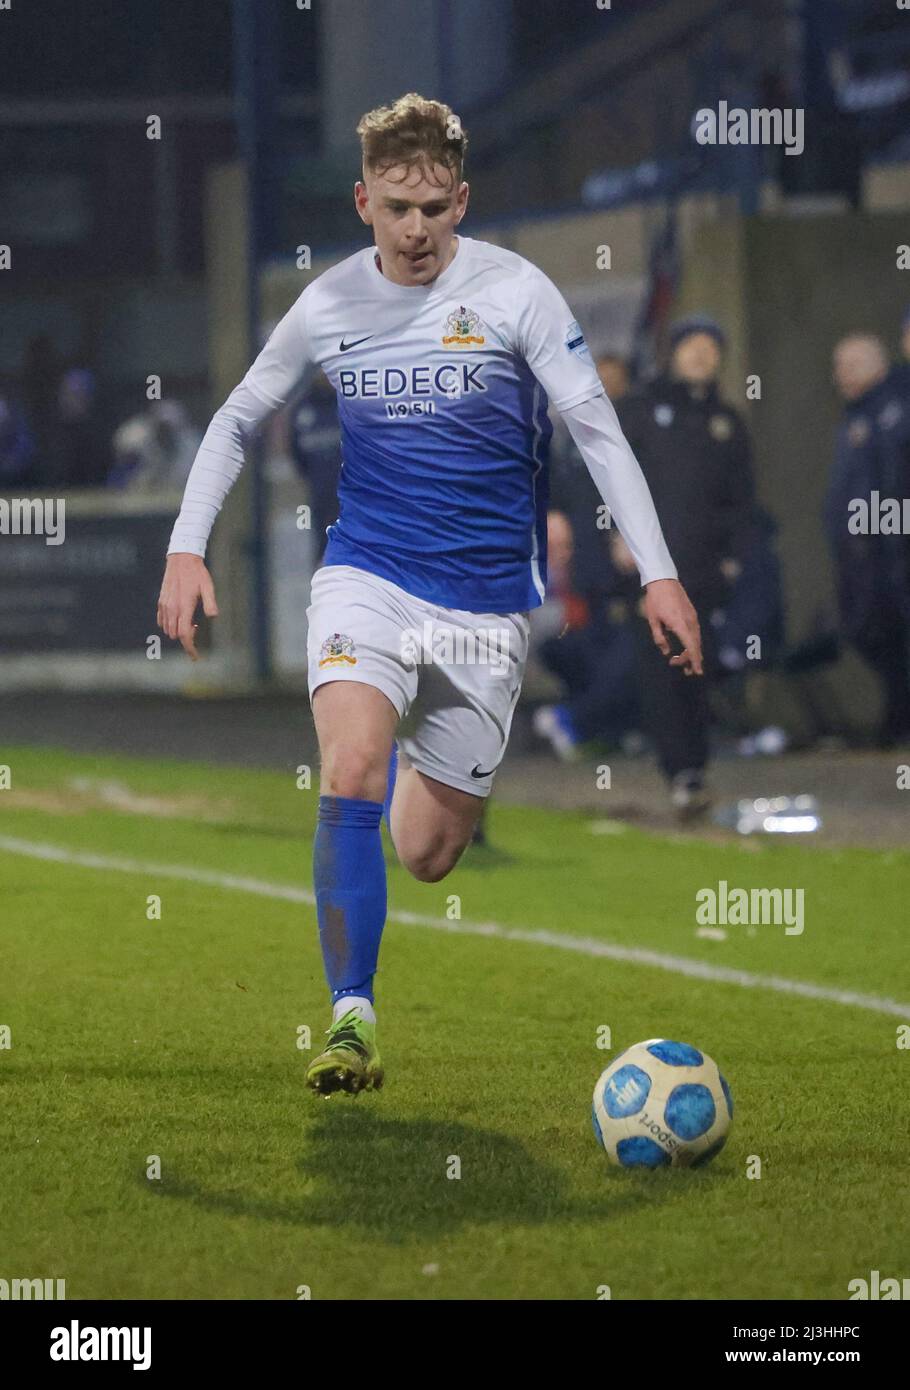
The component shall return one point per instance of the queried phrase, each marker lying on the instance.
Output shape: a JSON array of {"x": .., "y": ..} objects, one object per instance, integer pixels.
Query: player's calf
[
  {"x": 431, "y": 824},
  {"x": 431, "y": 863}
]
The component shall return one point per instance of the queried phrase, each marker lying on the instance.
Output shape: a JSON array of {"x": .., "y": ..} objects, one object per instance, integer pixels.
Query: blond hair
[{"x": 413, "y": 130}]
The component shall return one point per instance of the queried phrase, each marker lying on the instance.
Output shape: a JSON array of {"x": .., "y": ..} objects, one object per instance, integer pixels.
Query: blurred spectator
[
  {"x": 562, "y": 607},
  {"x": 316, "y": 446},
  {"x": 614, "y": 373},
  {"x": 902, "y": 369},
  {"x": 17, "y": 446},
  {"x": 872, "y": 452},
  {"x": 695, "y": 453},
  {"x": 78, "y": 453},
  {"x": 42, "y": 369},
  {"x": 594, "y": 660},
  {"x": 755, "y": 606},
  {"x": 154, "y": 451},
  {"x": 573, "y": 492},
  {"x": 755, "y": 609}
]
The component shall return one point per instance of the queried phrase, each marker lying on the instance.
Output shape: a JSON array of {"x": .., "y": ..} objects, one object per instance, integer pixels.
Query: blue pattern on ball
[
  {"x": 709, "y": 1153},
  {"x": 641, "y": 1153},
  {"x": 690, "y": 1111},
  {"x": 626, "y": 1091},
  {"x": 596, "y": 1123},
  {"x": 727, "y": 1095},
  {"x": 676, "y": 1054}
]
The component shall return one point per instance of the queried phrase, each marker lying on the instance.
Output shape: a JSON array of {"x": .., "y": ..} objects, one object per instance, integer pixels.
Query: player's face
[{"x": 413, "y": 212}]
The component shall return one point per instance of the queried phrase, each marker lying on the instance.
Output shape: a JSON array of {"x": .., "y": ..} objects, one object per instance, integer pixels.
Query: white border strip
[{"x": 582, "y": 945}]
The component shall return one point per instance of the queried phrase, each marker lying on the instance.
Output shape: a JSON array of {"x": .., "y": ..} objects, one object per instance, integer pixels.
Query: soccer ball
[{"x": 659, "y": 1104}]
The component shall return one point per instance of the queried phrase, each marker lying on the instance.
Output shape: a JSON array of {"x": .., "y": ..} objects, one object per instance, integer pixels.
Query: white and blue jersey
[
  {"x": 444, "y": 423},
  {"x": 442, "y": 395}
]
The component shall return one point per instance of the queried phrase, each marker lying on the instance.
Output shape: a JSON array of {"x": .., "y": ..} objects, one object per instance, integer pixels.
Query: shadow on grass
[{"x": 389, "y": 1176}]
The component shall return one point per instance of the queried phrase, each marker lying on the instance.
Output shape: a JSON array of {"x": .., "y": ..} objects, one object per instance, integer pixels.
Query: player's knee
[{"x": 354, "y": 772}]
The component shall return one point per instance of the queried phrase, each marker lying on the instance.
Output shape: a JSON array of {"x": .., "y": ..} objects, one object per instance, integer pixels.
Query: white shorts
[{"x": 453, "y": 676}]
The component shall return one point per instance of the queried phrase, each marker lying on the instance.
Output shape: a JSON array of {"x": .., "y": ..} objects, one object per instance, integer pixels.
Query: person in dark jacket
[
  {"x": 695, "y": 452},
  {"x": 871, "y": 472}
]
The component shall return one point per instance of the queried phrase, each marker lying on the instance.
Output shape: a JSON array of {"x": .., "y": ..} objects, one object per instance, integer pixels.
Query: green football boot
[{"x": 350, "y": 1061}]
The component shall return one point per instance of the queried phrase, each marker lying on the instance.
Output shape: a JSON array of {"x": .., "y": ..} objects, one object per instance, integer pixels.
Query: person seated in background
[
  {"x": 42, "y": 368},
  {"x": 573, "y": 493},
  {"x": 900, "y": 372},
  {"x": 594, "y": 659},
  {"x": 79, "y": 452},
  {"x": 17, "y": 446},
  {"x": 872, "y": 455},
  {"x": 154, "y": 451},
  {"x": 613, "y": 371},
  {"x": 754, "y": 610}
]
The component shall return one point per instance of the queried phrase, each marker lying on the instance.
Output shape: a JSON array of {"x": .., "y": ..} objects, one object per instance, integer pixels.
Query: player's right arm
[{"x": 280, "y": 372}]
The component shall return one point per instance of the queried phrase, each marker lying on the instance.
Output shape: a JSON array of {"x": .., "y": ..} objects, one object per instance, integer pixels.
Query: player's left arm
[{"x": 553, "y": 346}]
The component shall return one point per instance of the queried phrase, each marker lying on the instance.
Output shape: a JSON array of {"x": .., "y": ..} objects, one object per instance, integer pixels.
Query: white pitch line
[{"x": 582, "y": 945}]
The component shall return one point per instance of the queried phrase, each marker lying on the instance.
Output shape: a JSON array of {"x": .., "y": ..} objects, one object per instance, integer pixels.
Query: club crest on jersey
[
  {"x": 337, "y": 650},
  {"x": 463, "y": 329}
]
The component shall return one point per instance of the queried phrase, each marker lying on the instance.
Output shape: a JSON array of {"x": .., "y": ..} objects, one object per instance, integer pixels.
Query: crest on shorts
[
  {"x": 463, "y": 328},
  {"x": 337, "y": 650}
]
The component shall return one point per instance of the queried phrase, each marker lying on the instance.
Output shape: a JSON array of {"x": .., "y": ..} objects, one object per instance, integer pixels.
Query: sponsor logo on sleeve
[{"x": 575, "y": 341}]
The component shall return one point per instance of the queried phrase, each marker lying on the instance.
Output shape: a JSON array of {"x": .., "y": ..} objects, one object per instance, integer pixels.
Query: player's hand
[
  {"x": 668, "y": 610},
  {"x": 186, "y": 581}
]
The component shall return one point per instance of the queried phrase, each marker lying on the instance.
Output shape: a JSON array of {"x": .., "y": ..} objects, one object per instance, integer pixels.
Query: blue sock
[
  {"x": 350, "y": 885},
  {"x": 390, "y": 791}
]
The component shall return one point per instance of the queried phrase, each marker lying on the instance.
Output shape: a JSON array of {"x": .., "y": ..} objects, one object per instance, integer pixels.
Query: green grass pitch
[{"x": 178, "y": 1037}]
